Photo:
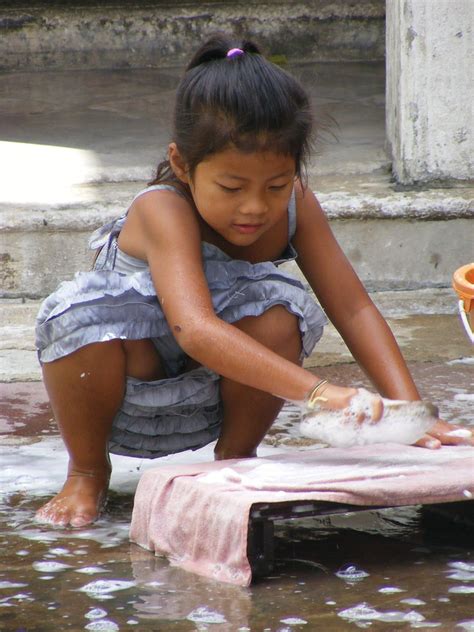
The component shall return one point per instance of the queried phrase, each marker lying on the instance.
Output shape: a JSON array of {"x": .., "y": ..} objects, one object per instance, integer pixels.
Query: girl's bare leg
[
  {"x": 248, "y": 412},
  {"x": 86, "y": 389}
]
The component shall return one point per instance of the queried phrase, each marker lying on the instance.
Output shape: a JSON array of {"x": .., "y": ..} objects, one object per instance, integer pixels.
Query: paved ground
[{"x": 121, "y": 119}]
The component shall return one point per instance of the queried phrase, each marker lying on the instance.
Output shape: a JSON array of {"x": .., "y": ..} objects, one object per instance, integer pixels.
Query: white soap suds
[
  {"x": 96, "y": 613},
  {"x": 364, "y": 612},
  {"x": 462, "y": 566},
  {"x": 50, "y": 567},
  {"x": 351, "y": 574},
  {"x": 467, "y": 397},
  {"x": 104, "y": 586},
  {"x": 102, "y": 625},
  {"x": 462, "y": 590},
  {"x": 412, "y": 601},
  {"x": 402, "y": 422},
  {"x": 462, "y": 433},
  {"x": 206, "y": 615}
]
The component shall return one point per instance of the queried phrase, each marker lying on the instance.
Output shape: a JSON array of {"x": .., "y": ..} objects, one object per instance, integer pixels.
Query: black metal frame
[{"x": 260, "y": 541}]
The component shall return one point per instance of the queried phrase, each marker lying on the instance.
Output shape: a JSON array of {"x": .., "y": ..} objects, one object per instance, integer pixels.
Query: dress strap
[
  {"x": 157, "y": 187},
  {"x": 292, "y": 216}
]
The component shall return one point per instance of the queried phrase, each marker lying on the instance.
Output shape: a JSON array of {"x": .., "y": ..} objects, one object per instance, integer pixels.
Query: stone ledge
[
  {"x": 341, "y": 197},
  {"x": 131, "y": 35},
  {"x": 395, "y": 240}
]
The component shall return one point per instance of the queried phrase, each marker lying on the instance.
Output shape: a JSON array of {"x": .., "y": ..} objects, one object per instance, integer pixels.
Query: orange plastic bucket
[{"x": 463, "y": 283}]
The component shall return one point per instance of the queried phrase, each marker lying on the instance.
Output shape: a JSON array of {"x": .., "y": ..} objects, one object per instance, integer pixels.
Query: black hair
[{"x": 244, "y": 101}]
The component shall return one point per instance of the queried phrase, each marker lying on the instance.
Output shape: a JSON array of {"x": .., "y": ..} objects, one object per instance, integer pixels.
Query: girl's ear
[{"x": 177, "y": 163}]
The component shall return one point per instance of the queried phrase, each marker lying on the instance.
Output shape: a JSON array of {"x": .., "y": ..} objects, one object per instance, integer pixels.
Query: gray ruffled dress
[{"x": 117, "y": 300}]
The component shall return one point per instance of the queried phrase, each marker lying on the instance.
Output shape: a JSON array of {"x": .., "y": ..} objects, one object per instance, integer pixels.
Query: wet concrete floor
[
  {"x": 123, "y": 117},
  {"x": 396, "y": 569}
]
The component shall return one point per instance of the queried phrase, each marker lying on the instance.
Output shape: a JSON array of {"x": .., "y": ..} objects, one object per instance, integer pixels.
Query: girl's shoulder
[
  {"x": 158, "y": 202},
  {"x": 307, "y": 206},
  {"x": 158, "y": 213}
]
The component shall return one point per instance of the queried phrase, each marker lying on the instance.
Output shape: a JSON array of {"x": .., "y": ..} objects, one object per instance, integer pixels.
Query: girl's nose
[{"x": 254, "y": 206}]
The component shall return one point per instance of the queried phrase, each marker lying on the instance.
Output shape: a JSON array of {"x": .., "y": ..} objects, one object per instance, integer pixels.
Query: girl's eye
[
  {"x": 229, "y": 189},
  {"x": 278, "y": 187}
]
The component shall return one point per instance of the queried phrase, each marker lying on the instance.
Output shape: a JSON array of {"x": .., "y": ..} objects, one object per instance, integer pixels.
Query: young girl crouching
[{"x": 187, "y": 331}]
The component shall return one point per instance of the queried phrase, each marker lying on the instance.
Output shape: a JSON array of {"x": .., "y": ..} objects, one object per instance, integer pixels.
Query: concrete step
[
  {"x": 395, "y": 240},
  {"x": 68, "y": 34}
]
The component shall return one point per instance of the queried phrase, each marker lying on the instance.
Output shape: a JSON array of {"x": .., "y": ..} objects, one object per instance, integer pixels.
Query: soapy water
[
  {"x": 120, "y": 587},
  {"x": 401, "y": 422}
]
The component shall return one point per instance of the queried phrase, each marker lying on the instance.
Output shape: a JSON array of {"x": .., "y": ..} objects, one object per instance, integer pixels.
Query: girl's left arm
[{"x": 349, "y": 307}]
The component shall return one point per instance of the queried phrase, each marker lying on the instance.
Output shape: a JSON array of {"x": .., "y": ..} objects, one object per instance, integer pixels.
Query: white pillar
[{"x": 430, "y": 89}]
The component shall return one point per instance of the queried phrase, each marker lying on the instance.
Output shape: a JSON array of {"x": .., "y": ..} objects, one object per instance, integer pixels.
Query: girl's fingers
[
  {"x": 369, "y": 409},
  {"x": 444, "y": 433},
  {"x": 427, "y": 441},
  {"x": 377, "y": 408}
]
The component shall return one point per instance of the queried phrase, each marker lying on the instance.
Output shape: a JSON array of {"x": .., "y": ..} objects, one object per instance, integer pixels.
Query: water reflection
[
  {"x": 350, "y": 571},
  {"x": 168, "y": 593}
]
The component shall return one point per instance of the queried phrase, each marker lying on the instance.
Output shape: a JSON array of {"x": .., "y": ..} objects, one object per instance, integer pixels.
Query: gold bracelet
[{"x": 313, "y": 396}]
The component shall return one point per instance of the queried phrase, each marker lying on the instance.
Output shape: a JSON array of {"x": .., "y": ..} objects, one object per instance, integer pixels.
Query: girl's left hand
[{"x": 444, "y": 433}]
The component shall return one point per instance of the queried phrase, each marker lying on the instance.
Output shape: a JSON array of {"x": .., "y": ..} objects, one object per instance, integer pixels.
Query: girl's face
[{"x": 242, "y": 195}]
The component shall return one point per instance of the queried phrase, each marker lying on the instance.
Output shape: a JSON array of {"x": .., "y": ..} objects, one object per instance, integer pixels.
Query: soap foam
[{"x": 402, "y": 422}]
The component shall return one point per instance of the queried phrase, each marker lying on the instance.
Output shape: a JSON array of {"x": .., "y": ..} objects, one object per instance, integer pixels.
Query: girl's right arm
[{"x": 170, "y": 241}]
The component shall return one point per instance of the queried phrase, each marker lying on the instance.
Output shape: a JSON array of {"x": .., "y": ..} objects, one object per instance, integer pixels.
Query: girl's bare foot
[{"x": 79, "y": 502}]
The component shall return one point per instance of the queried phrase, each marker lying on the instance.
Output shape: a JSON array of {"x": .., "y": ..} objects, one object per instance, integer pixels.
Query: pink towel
[{"x": 197, "y": 514}]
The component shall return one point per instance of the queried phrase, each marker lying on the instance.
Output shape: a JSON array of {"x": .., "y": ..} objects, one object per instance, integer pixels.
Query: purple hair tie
[{"x": 235, "y": 52}]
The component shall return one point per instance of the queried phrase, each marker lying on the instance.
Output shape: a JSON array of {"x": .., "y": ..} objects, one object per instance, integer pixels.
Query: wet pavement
[{"x": 396, "y": 569}]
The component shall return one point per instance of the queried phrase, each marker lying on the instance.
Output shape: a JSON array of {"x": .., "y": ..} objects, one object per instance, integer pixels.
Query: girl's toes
[
  {"x": 50, "y": 514},
  {"x": 82, "y": 520}
]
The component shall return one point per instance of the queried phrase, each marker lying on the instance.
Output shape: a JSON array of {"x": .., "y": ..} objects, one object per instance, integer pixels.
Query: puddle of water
[{"x": 396, "y": 569}]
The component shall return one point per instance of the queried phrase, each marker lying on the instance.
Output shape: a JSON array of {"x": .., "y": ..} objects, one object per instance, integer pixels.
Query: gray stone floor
[{"x": 123, "y": 117}]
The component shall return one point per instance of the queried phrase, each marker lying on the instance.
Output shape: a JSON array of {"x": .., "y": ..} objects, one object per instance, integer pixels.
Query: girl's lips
[{"x": 247, "y": 229}]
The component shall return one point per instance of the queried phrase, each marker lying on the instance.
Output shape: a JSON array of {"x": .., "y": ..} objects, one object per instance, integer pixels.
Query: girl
[{"x": 186, "y": 331}]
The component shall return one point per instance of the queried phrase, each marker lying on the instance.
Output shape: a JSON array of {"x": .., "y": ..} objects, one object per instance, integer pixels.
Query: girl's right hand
[{"x": 366, "y": 408}]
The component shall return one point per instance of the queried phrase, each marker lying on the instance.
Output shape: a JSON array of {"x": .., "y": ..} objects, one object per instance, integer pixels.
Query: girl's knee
[
  {"x": 285, "y": 330},
  {"x": 277, "y": 328}
]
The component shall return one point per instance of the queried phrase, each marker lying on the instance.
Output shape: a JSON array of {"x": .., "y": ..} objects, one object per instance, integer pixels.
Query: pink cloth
[{"x": 197, "y": 514}]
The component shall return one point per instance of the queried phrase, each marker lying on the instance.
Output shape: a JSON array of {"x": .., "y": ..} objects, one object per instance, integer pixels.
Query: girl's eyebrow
[{"x": 288, "y": 172}]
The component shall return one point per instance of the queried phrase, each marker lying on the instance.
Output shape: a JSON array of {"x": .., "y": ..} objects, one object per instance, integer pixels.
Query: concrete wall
[
  {"x": 39, "y": 35},
  {"x": 430, "y": 89},
  {"x": 388, "y": 253}
]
